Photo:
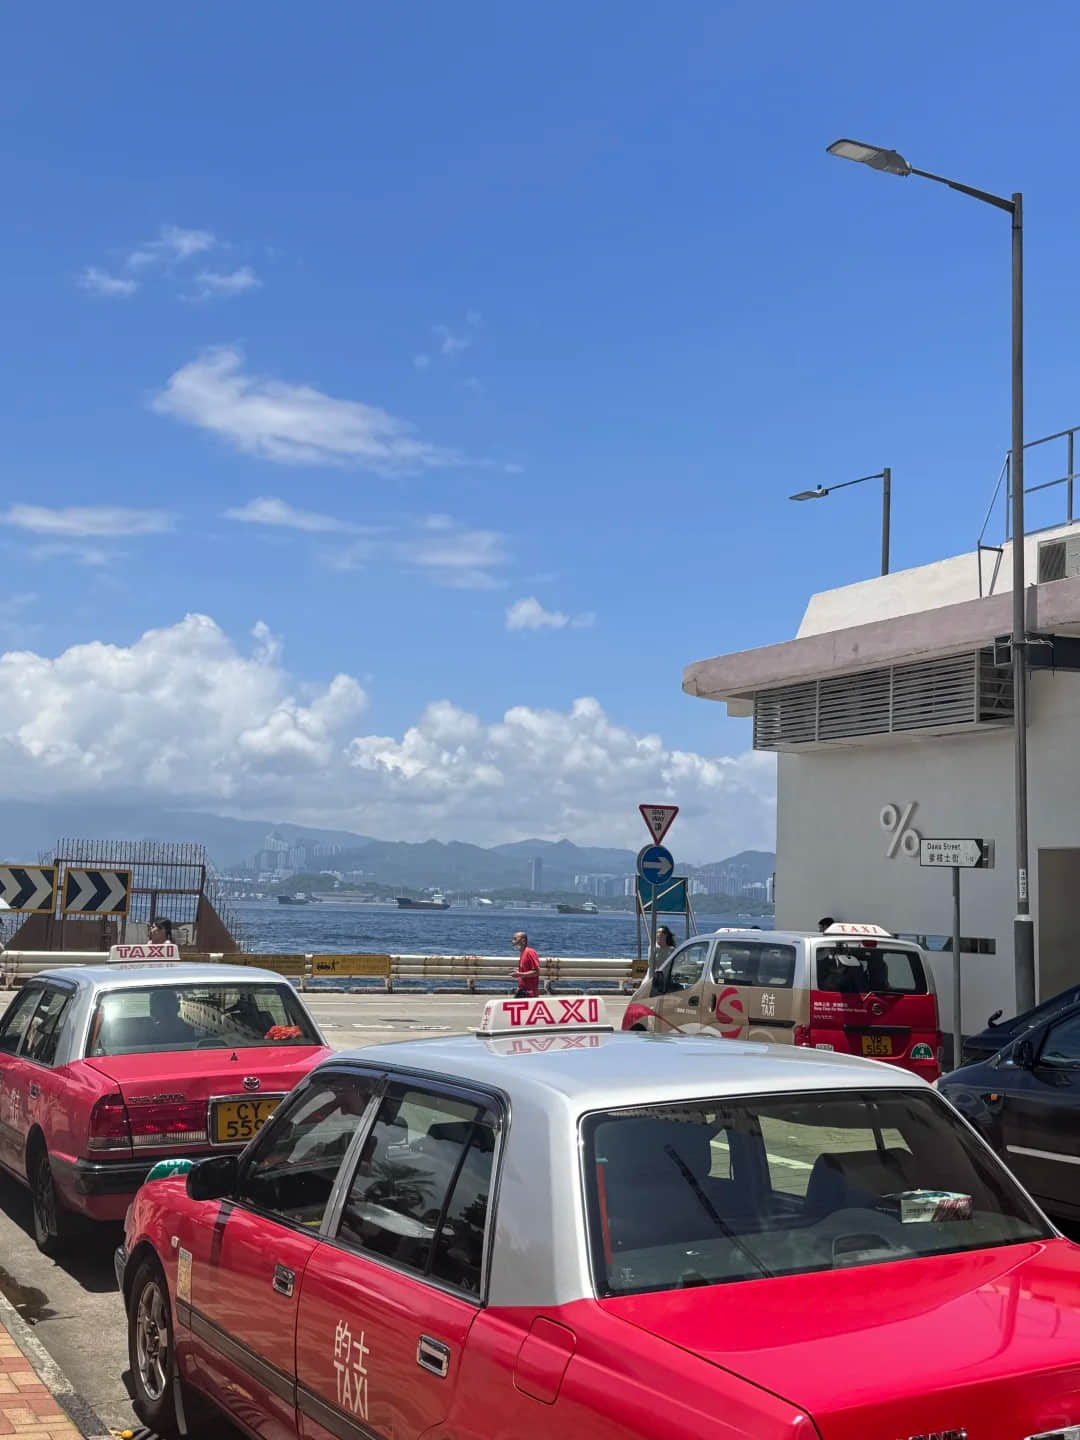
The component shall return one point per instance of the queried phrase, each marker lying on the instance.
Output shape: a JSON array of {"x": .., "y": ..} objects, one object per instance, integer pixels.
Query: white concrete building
[{"x": 892, "y": 721}]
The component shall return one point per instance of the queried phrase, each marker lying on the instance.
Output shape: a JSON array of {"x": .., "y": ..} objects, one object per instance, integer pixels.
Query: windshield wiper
[{"x": 712, "y": 1212}]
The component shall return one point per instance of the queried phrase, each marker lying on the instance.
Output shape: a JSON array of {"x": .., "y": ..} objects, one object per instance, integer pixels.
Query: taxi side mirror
[
  {"x": 1024, "y": 1055},
  {"x": 213, "y": 1179}
]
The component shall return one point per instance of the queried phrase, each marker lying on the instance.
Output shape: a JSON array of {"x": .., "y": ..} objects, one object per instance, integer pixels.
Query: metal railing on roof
[{"x": 1003, "y": 493}]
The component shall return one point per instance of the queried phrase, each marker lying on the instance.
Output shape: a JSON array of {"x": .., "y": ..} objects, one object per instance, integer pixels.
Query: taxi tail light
[
  {"x": 800, "y": 1035},
  {"x": 109, "y": 1128},
  {"x": 182, "y": 1123}
]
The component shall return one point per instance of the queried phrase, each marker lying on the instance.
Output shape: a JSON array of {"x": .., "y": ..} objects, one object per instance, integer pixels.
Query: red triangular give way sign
[{"x": 658, "y": 818}]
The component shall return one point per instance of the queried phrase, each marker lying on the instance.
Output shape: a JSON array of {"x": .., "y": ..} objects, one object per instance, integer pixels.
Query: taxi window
[
  {"x": 292, "y": 1167},
  {"x": 419, "y": 1196},
  {"x": 870, "y": 969},
  {"x": 685, "y": 967},
  {"x": 747, "y": 963},
  {"x": 43, "y": 1033},
  {"x": 810, "y": 1183},
  {"x": 16, "y": 1019},
  {"x": 146, "y": 1019}
]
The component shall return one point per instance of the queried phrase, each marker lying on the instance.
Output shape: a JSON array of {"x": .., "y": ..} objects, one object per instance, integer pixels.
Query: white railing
[{"x": 413, "y": 971}]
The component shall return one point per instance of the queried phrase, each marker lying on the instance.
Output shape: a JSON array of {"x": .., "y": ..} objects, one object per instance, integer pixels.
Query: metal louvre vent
[
  {"x": 853, "y": 705},
  {"x": 785, "y": 717},
  {"x": 934, "y": 692},
  {"x": 949, "y": 692},
  {"x": 1059, "y": 559}
]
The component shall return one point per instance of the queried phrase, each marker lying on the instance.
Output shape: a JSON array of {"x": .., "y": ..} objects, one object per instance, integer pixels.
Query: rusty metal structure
[{"x": 172, "y": 880}]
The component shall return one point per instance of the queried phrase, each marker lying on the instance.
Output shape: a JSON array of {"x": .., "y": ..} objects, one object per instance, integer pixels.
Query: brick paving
[{"x": 27, "y": 1409}]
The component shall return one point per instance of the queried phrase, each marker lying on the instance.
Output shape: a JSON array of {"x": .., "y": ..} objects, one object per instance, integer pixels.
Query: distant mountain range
[{"x": 28, "y": 829}]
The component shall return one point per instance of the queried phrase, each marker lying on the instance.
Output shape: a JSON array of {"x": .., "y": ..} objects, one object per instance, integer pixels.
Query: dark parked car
[
  {"x": 999, "y": 1033},
  {"x": 1025, "y": 1101}
]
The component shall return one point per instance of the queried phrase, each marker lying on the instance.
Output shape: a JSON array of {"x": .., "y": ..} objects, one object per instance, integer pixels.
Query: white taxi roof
[{"x": 594, "y": 1070}]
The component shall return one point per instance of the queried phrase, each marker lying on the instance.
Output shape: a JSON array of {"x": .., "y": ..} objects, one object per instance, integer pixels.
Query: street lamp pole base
[{"x": 1024, "y": 962}]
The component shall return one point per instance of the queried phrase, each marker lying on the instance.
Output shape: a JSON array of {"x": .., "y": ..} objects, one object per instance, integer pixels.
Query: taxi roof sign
[
  {"x": 146, "y": 951},
  {"x": 844, "y": 927},
  {"x": 548, "y": 1013}
]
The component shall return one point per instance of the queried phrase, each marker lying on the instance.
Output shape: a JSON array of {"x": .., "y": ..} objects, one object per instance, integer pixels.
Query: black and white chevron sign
[
  {"x": 28, "y": 887},
  {"x": 97, "y": 892}
]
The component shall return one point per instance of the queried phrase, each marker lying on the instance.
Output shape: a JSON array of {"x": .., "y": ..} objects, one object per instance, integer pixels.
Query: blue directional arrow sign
[{"x": 655, "y": 864}]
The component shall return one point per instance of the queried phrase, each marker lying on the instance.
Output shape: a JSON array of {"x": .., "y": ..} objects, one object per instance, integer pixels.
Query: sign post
[
  {"x": 654, "y": 863},
  {"x": 957, "y": 855}
]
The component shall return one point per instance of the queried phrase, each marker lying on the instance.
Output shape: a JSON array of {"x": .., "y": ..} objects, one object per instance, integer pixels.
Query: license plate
[
  {"x": 237, "y": 1120},
  {"x": 877, "y": 1044}
]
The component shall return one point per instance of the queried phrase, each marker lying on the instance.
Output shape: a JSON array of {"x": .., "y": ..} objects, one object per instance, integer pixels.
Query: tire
[
  {"x": 52, "y": 1224},
  {"x": 151, "y": 1349}
]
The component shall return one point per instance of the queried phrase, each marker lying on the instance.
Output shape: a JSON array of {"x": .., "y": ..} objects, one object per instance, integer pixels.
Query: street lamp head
[
  {"x": 818, "y": 494},
  {"x": 890, "y": 161}
]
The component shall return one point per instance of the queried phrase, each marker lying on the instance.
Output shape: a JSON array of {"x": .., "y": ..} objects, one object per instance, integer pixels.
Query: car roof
[
  {"x": 788, "y": 937},
  {"x": 124, "y": 974},
  {"x": 605, "y": 1070}
]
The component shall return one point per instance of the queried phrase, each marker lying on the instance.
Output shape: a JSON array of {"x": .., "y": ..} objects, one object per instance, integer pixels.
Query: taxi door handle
[
  {"x": 433, "y": 1355},
  {"x": 284, "y": 1280}
]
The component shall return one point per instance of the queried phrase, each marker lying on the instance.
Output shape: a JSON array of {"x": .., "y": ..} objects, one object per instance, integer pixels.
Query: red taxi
[
  {"x": 550, "y": 1228},
  {"x": 105, "y": 1068}
]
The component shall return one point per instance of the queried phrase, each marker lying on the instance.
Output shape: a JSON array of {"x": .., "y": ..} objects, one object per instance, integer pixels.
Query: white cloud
[
  {"x": 183, "y": 716},
  {"x": 269, "y": 511},
  {"x": 289, "y": 423},
  {"x": 213, "y": 284},
  {"x": 455, "y": 556},
  {"x": 174, "y": 244},
  {"x": 449, "y": 343},
  {"x": 529, "y": 614},
  {"x": 73, "y": 551},
  {"x": 109, "y": 287},
  {"x": 101, "y": 520}
]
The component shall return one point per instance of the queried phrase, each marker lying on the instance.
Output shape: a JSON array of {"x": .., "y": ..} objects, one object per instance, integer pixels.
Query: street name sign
[
  {"x": 655, "y": 864},
  {"x": 28, "y": 887},
  {"x": 97, "y": 892},
  {"x": 658, "y": 818},
  {"x": 957, "y": 854}
]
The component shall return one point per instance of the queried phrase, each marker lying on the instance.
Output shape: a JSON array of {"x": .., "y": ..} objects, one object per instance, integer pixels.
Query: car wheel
[
  {"x": 151, "y": 1349},
  {"x": 51, "y": 1225}
]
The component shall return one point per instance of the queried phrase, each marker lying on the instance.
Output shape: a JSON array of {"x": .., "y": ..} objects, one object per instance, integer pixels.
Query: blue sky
[{"x": 489, "y": 304}]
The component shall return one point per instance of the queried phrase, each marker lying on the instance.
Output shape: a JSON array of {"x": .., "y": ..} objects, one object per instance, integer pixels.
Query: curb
[{"x": 79, "y": 1411}]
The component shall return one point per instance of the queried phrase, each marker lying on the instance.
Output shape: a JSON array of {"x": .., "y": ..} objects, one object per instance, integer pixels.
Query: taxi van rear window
[
  {"x": 870, "y": 969},
  {"x": 711, "y": 1192}
]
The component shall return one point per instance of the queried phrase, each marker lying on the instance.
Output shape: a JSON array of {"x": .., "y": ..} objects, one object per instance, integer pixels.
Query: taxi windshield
[
  {"x": 709, "y": 1192},
  {"x": 870, "y": 969},
  {"x": 142, "y": 1020}
]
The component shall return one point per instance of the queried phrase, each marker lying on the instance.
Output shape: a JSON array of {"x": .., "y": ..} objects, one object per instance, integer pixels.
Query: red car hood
[
  {"x": 987, "y": 1342},
  {"x": 197, "y": 1074}
]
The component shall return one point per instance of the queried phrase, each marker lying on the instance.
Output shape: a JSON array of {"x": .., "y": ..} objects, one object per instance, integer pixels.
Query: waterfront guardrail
[{"x": 389, "y": 972}]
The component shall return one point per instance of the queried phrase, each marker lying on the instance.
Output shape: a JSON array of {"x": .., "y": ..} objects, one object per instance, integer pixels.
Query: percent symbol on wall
[{"x": 896, "y": 822}]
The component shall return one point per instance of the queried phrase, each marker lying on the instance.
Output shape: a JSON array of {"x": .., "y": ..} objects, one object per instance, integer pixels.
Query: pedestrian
[
  {"x": 665, "y": 944},
  {"x": 160, "y": 932},
  {"x": 527, "y": 974},
  {"x": 824, "y": 923}
]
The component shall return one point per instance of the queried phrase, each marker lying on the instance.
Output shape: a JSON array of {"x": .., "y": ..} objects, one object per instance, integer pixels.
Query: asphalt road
[{"x": 74, "y": 1306}]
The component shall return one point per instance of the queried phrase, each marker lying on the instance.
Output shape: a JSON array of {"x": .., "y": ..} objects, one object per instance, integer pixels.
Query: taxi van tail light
[
  {"x": 109, "y": 1128},
  {"x": 801, "y": 1035},
  {"x": 168, "y": 1124}
]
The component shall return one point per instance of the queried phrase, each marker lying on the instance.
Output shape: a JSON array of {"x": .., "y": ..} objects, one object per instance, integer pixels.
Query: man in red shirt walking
[{"x": 528, "y": 972}]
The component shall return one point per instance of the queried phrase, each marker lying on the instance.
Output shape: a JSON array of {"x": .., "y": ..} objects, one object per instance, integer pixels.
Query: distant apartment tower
[{"x": 536, "y": 874}]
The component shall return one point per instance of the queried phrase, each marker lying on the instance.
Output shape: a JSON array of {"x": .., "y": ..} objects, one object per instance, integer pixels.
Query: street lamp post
[
  {"x": 885, "y": 476},
  {"x": 890, "y": 162}
]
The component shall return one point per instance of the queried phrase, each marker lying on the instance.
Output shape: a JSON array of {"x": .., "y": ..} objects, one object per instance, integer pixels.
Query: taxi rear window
[
  {"x": 710, "y": 1192},
  {"x": 144, "y": 1020},
  {"x": 870, "y": 969}
]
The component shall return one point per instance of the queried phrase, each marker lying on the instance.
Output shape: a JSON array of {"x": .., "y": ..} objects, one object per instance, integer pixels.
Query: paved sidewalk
[{"x": 28, "y": 1407}]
